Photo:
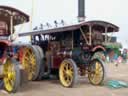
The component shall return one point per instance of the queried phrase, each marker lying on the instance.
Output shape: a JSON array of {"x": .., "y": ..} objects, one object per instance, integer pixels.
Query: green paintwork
[{"x": 113, "y": 45}]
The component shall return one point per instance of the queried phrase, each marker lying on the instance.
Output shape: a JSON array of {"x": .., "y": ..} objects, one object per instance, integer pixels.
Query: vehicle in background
[{"x": 10, "y": 75}]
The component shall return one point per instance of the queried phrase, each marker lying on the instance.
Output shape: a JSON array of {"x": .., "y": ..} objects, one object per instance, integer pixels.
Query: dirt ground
[{"x": 83, "y": 88}]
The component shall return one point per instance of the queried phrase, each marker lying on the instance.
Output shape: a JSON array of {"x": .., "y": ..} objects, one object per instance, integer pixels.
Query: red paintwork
[
  {"x": 20, "y": 54},
  {"x": 2, "y": 60},
  {"x": 56, "y": 62},
  {"x": 98, "y": 47},
  {"x": 6, "y": 42}
]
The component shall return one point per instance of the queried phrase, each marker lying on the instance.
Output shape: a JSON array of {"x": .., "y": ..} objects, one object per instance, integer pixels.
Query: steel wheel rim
[
  {"x": 97, "y": 74},
  {"x": 66, "y": 73},
  {"x": 9, "y": 73},
  {"x": 29, "y": 62}
]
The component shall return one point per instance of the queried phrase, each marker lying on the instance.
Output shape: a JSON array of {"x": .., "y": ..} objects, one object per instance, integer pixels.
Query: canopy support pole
[
  {"x": 84, "y": 35},
  {"x": 106, "y": 34},
  {"x": 90, "y": 35},
  {"x": 11, "y": 24}
]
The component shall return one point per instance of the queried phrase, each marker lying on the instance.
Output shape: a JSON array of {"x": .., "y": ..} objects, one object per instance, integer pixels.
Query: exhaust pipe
[{"x": 81, "y": 10}]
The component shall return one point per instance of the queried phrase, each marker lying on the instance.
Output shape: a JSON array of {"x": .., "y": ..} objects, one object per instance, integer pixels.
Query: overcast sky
[{"x": 114, "y": 11}]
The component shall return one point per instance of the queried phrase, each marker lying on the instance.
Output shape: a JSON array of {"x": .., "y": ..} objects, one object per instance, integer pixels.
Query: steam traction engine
[
  {"x": 66, "y": 51},
  {"x": 73, "y": 50},
  {"x": 9, "y": 65}
]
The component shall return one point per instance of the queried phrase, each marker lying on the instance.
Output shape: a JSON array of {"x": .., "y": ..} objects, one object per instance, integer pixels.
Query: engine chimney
[{"x": 81, "y": 10}]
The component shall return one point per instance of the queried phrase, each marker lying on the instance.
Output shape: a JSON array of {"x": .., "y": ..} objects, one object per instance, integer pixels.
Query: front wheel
[
  {"x": 11, "y": 75},
  {"x": 96, "y": 73},
  {"x": 68, "y": 73}
]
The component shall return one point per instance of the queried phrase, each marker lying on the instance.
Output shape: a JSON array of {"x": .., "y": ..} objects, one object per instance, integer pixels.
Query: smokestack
[{"x": 81, "y": 10}]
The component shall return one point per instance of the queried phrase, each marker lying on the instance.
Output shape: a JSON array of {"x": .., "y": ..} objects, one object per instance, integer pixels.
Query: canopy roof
[
  {"x": 100, "y": 25},
  {"x": 18, "y": 17}
]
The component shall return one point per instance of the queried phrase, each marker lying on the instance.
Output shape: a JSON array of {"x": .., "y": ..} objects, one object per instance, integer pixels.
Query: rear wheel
[
  {"x": 11, "y": 75},
  {"x": 68, "y": 73},
  {"x": 96, "y": 73},
  {"x": 31, "y": 62},
  {"x": 41, "y": 61}
]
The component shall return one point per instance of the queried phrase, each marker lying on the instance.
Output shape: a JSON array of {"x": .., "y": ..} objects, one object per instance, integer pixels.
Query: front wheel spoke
[
  {"x": 11, "y": 82},
  {"x": 33, "y": 68},
  {"x": 92, "y": 76},
  {"x": 33, "y": 62},
  {"x": 97, "y": 78},
  {"x": 13, "y": 75},
  {"x": 32, "y": 56},
  {"x": 65, "y": 77},
  {"x": 33, "y": 72},
  {"x": 6, "y": 79},
  {"x": 69, "y": 79},
  {"x": 30, "y": 70},
  {"x": 26, "y": 58},
  {"x": 26, "y": 66},
  {"x": 97, "y": 65},
  {"x": 71, "y": 74},
  {"x": 71, "y": 69},
  {"x": 64, "y": 72},
  {"x": 99, "y": 75},
  {"x": 100, "y": 70},
  {"x": 67, "y": 66}
]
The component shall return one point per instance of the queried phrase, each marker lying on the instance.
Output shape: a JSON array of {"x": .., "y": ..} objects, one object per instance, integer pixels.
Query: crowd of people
[{"x": 117, "y": 56}]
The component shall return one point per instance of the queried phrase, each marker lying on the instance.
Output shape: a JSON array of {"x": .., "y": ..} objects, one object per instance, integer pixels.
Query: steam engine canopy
[{"x": 10, "y": 15}]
